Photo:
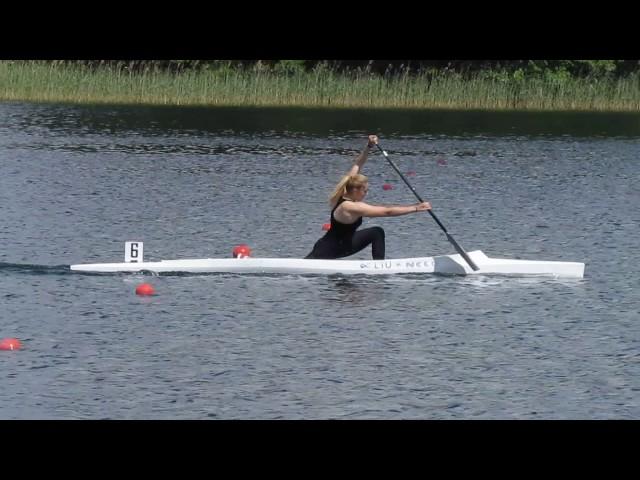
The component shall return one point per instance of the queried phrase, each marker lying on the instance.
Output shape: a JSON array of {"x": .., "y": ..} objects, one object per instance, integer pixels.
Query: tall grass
[{"x": 49, "y": 82}]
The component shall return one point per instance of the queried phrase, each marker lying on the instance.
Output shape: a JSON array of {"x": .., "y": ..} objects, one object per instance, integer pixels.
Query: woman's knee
[{"x": 378, "y": 232}]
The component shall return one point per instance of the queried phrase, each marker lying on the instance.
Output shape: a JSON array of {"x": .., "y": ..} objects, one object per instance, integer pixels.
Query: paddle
[{"x": 455, "y": 244}]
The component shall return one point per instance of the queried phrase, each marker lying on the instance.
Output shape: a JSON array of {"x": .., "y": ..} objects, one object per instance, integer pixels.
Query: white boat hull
[{"x": 444, "y": 264}]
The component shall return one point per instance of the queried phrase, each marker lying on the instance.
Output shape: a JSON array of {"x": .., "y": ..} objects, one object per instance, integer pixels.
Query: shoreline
[
  {"x": 39, "y": 82},
  {"x": 318, "y": 108}
]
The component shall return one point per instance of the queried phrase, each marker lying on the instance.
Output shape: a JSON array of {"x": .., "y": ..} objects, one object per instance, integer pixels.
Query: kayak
[{"x": 442, "y": 264}]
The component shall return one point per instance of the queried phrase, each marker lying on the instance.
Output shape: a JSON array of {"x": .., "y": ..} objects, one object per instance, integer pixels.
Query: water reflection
[{"x": 273, "y": 121}]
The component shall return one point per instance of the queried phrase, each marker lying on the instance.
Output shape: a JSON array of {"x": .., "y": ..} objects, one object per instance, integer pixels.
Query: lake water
[{"x": 76, "y": 182}]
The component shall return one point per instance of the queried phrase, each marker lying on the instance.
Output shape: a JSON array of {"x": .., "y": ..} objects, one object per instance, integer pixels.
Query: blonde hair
[{"x": 346, "y": 185}]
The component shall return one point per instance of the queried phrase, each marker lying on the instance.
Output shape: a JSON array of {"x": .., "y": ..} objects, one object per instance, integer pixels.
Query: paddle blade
[{"x": 461, "y": 251}]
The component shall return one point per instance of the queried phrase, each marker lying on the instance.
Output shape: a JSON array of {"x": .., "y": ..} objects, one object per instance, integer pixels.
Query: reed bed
[{"x": 36, "y": 81}]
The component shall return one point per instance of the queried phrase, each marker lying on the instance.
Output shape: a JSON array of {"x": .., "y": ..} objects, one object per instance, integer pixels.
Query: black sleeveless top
[{"x": 342, "y": 230}]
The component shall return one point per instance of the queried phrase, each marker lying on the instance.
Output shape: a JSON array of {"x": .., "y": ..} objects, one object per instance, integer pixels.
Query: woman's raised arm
[{"x": 362, "y": 158}]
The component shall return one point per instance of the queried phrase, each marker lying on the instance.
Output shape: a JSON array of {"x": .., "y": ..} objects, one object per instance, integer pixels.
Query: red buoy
[
  {"x": 442, "y": 162},
  {"x": 145, "y": 289},
  {"x": 10, "y": 344},
  {"x": 387, "y": 186},
  {"x": 411, "y": 173},
  {"x": 241, "y": 251},
  {"x": 326, "y": 226}
]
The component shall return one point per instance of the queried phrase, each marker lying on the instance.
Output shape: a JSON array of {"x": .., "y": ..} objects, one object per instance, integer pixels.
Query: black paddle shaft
[{"x": 455, "y": 244}]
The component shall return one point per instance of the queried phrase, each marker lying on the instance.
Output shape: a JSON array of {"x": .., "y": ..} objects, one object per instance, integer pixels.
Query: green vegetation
[{"x": 594, "y": 85}]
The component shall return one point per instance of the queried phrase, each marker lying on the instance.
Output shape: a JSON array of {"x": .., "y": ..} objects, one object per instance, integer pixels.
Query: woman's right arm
[
  {"x": 362, "y": 158},
  {"x": 362, "y": 209}
]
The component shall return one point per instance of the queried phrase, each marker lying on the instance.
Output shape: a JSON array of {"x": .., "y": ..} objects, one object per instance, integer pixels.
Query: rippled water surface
[{"x": 77, "y": 182}]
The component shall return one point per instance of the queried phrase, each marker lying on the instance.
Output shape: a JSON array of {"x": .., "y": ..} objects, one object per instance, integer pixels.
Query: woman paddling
[{"x": 343, "y": 238}]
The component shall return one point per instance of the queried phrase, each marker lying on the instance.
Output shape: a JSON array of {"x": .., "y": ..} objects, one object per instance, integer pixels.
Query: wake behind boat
[{"x": 442, "y": 264}]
